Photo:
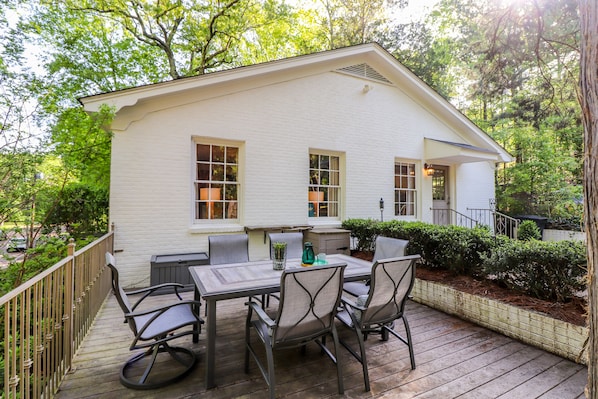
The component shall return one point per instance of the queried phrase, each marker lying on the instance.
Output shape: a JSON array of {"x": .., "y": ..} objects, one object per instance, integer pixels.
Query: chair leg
[
  {"x": 409, "y": 342},
  {"x": 271, "y": 380},
  {"x": 364, "y": 360},
  {"x": 141, "y": 383},
  {"x": 339, "y": 370}
]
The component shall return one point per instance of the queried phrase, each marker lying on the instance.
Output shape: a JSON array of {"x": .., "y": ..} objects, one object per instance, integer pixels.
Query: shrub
[
  {"x": 528, "y": 230},
  {"x": 547, "y": 270},
  {"x": 364, "y": 230}
]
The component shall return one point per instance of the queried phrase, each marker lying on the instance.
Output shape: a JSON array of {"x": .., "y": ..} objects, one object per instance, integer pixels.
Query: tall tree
[
  {"x": 350, "y": 22},
  {"x": 588, "y": 11}
]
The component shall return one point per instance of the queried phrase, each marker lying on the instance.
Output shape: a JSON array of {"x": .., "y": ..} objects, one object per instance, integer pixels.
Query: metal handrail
[
  {"x": 499, "y": 222},
  {"x": 46, "y": 318},
  {"x": 453, "y": 217}
]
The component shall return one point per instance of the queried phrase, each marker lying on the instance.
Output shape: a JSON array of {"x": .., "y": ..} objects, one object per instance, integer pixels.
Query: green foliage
[
  {"x": 552, "y": 271},
  {"x": 547, "y": 270},
  {"x": 528, "y": 230},
  {"x": 82, "y": 209},
  {"x": 364, "y": 230},
  {"x": 35, "y": 261},
  {"x": 453, "y": 248}
]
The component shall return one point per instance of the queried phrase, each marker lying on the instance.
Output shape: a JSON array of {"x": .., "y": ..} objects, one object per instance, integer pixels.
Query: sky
[{"x": 415, "y": 10}]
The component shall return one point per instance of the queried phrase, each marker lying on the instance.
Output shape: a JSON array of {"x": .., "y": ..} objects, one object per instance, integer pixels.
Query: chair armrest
[
  {"x": 161, "y": 309},
  {"x": 349, "y": 302},
  {"x": 150, "y": 290},
  {"x": 261, "y": 313}
]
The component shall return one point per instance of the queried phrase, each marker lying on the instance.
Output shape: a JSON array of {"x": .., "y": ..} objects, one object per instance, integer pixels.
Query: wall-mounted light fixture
[
  {"x": 429, "y": 169},
  {"x": 367, "y": 88},
  {"x": 381, "y": 209}
]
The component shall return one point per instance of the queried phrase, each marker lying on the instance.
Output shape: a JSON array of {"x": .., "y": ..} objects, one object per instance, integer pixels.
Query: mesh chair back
[
  {"x": 308, "y": 303},
  {"x": 392, "y": 281},
  {"x": 387, "y": 248},
  {"x": 294, "y": 243},
  {"x": 119, "y": 293},
  {"x": 232, "y": 248}
]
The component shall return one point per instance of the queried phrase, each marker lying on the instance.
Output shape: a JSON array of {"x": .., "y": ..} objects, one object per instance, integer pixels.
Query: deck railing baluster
[{"x": 46, "y": 318}]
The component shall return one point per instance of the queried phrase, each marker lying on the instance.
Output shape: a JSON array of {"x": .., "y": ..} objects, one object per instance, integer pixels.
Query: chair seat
[
  {"x": 356, "y": 288},
  {"x": 172, "y": 319}
]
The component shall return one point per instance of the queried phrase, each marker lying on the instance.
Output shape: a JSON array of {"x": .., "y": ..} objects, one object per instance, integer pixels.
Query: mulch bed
[{"x": 573, "y": 312}]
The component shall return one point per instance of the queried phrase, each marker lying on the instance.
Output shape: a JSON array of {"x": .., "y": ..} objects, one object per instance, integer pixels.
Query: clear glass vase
[{"x": 279, "y": 256}]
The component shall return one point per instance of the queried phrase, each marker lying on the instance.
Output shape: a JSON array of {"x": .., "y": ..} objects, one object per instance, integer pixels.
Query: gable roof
[{"x": 368, "y": 61}]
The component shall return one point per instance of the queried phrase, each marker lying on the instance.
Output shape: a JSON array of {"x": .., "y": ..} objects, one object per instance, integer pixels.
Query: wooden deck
[{"x": 455, "y": 359}]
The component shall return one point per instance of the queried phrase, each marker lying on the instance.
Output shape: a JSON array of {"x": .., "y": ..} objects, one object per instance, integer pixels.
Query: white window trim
[
  {"x": 216, "y": 225},
  {"x": 331, "y": 221},
  {"x": 418, "y": 190}
]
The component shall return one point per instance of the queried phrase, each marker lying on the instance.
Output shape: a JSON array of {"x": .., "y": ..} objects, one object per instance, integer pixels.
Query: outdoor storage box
[
  {"x": 330, "y": 241},
  {"x": 175, "y": 268}
]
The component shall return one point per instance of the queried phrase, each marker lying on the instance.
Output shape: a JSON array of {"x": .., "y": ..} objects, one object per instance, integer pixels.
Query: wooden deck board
[{"x": 454, "y": 358}]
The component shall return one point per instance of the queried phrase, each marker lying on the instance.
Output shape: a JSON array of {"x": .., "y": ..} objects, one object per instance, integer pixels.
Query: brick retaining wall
[{"x": 555, "y": 336}]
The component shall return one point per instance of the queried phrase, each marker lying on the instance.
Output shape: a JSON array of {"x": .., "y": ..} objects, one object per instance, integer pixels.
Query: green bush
[
  {"x": 365, "y": 231},
  {"x": 453, "y": 248},
  {"x": 528, "y": 230},
  {"x": 547, "y": 270}
]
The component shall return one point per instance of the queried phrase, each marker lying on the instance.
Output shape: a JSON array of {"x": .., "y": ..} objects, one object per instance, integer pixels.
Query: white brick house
[{"x": 353, "y": 124}]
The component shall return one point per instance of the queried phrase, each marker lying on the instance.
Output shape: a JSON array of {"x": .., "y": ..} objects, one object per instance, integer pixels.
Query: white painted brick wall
[{"x": 275, "y": 127}]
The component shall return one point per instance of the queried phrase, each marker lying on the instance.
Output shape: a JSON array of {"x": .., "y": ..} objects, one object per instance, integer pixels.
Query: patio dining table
[{"x": 214, "y": 283}]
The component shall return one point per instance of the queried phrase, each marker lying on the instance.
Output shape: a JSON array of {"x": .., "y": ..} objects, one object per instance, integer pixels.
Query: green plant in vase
[{"x": 279, "y": 257}]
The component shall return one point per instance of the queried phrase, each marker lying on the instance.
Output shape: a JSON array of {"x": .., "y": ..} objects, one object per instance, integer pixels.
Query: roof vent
[{"x": 364, "y": 71}]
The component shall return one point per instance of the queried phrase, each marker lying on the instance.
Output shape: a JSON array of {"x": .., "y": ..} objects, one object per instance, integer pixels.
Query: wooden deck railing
[{"x": 46, "y": 319}]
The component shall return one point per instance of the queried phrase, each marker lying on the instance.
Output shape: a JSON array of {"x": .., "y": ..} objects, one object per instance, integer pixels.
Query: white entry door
[{"x": 440, "y": 195}]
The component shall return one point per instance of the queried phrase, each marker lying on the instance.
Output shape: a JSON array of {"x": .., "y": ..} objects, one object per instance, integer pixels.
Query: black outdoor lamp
[{"x": 381, "y": 209}]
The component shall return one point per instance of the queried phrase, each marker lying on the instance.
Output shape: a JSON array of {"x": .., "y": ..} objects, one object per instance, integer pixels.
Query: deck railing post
[{"x": 69, "y": 307}]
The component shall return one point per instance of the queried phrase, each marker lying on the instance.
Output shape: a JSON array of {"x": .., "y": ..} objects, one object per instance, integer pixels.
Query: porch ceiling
[{"x": 450, "y": 153}]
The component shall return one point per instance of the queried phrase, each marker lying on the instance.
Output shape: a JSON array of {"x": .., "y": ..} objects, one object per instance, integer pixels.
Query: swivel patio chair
[
  {"x": 309, "y": 299},
  {"x": 375, "y": 313},
  {"x": 153, "y": 329},
  {"x": 386, "y": 247}
]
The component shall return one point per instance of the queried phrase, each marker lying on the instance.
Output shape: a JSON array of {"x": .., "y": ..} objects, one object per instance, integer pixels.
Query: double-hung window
[
  {"x": 324, "y": 185},
  {"x": 216, "y": 181},
  {"x": 405, "y": 189}
]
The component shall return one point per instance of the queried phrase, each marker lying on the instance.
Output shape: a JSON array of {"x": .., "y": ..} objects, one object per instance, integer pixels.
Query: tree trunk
[{"x": 588, "y": 11}]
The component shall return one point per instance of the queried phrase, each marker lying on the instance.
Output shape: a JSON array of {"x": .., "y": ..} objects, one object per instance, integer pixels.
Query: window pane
[
  {"x": 218, "y": 154},
  {"x": 232, "y": 155},
  {"x": 313, "y": 162},
  {"x": 203, "y": 152},
  {"x": 231, "y": 173},
  {"x": 334, "y": 178},
  {"x": 324, "y": 162},
  {"x": 203, "y": 171},
  {"x": 217, "y": 172}
]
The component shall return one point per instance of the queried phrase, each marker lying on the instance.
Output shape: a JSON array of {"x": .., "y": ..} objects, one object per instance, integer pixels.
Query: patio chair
[
  {"x": 309, "y": 298},
  {"x": 375, "y": 313},
  {"x": 294, "y": 242},
  {"x": 229, "y": 248},
  {"x": 153, "y": 329},
  {"x": 386, "y": 247}
]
